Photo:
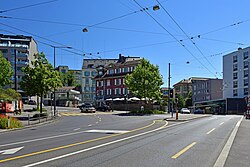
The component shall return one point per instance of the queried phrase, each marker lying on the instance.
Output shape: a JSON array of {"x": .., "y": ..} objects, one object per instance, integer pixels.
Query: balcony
[{"x": 22, "y": 55}]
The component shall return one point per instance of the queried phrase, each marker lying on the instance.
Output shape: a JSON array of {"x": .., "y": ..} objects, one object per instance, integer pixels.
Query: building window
[
  {"x": 245, "y": 91},
  {"x": 99, "y": 83},
  {"x": 245, "y": 73},
  {"x": 87, "y": 73},
  {"x": 108, "y": 82},
  {"x": 117, "y": 81},
  {"x": 235, "y": 58},
  {"x": 111, "y": 71},
  {"x": 245, "y": 55},
  {"x": 118, "y": 91},
  {"x": 126, "y": 69},
  {"x": 93, "y": 73},
  {"x": 245, "y": 82},
  {"x": 235, "y": 75},
  {"x": 63, "y": 71},
  {"x": 86, "y": 81},
  {"x": 235, "y": 67},
  {"x": 235, "y": 84},
  {"x": 4, "y": 51},
  {"x": 235, "y": 92},
  {"x": 245, "y": 64},
  {"x": 100, "y": 92}
]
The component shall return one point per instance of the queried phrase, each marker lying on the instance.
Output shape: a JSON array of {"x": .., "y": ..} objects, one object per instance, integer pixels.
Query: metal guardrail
[{"x": 40, "y": 117}]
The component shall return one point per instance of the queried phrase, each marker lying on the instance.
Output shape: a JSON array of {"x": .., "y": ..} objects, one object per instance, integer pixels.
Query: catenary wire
[
  {"x": 84, "y": 53},
  {"x": 164, "y": 9},
  {"x": 47, "y": 44},
  {"x": 175, "y": 38},
  {"x": 27, "y": 6}
]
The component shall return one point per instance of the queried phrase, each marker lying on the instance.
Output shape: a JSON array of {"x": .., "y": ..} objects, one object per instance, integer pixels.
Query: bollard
[
  {"x": 176, "y": 115},
  {"x": 8, "y": 121},
  {"x": 39, "y": 117},
  {"x": 28, "y": 119}
]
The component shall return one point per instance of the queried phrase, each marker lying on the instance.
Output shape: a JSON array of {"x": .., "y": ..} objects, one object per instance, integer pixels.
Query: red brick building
[{"x": 110, "y": 81}]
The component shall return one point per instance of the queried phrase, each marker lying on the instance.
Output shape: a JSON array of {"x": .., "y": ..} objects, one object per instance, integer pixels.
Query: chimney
[{"x": 239, "y": 48}]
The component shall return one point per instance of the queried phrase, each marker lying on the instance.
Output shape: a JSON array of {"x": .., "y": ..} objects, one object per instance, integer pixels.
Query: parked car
[
  {"x": 185, "y": 111},
  {"x": 199, "y": 111},
  {"x": 87, "y": 107},
  {"x": 104, "y": 107},
  {"x": 32, "y": 102}
]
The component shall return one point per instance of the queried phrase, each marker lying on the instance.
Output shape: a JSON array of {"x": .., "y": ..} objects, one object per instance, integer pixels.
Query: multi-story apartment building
[
  {"x": 89, "y": 72},
  {"x": 110, "y": 83},
  {"x": 206, "y": 89},
  {"x": 236, "y": 74},
  {"x": 183, "y": 87},
  {"x": 19, "y": 50}
]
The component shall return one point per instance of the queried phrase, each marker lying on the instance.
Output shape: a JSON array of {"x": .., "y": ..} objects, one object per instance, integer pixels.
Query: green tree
[
  {"x": 5, "y": 71},
  {"x": 145, "y": 81},
  {"x": 68, "y": 79},
  {"x": 40, "y": 78},
  {"x": 188, "y": 100},
  {"x": 9, "y": 94},
  {"x": 181, "y": 101}
]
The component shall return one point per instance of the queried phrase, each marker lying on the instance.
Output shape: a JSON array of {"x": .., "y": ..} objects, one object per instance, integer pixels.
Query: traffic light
[{"x": 171, "y": 94}]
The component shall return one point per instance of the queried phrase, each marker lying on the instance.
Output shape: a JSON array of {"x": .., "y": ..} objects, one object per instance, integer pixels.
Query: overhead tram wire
[
  {"x": 84, "y": 53},
  {"x": 175, "y": 39},
  {"x": 27, "y": 6},
  {"x": 81, "y": 25},
  {"x": 186, "y": 35},
  {"x": 47, "y": 44}
]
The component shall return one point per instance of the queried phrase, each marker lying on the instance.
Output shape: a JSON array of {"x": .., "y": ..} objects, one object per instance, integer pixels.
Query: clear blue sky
[{"x": 137, "y": 34}]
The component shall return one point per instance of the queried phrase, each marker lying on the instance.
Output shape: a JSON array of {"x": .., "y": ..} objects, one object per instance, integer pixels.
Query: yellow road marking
[
  {"x": 210, "y": 131},
  {"x": 75, "y": 144},
  {"x": 183, "y": 151}
]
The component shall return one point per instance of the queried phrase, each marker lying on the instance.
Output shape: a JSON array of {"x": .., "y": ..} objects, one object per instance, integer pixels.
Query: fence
[{"x": 39, "y": 117}]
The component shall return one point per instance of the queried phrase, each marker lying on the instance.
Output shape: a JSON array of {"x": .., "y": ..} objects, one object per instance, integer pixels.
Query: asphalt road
[{"x": 114, "y": 140}]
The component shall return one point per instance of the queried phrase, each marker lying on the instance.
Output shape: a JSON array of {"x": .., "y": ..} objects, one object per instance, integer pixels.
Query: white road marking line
[
  {"x": 11, "y": 151},
  {"x": 77, "y": 129},
  {"x": 90, "y": 125},
  {"x": 106, "y": 131},
  {"x": 96, "y": 122},
  {"x": 225, "y": 151},
  {"x": 94, "y": 147},
  {"x": 221, "y": 123},
  {"x": 210, "y": 131}
]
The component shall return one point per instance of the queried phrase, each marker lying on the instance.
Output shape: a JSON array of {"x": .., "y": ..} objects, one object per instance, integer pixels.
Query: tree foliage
[
  {"x": 40, "y": 78},
  {"x": 145, "y": 81},
  {"x": 181, "y": 101},
  {"x": 68, "y": 79},
  {"x": 188, "y": 100},
  {"x": 5, "y": 71},
  {"x": 9, "y": 94}
]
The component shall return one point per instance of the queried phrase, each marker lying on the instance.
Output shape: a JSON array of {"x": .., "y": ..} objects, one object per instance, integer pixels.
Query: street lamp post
[
  {"x": 169, "y": 107},
  {"x": 54, "y": 47}
]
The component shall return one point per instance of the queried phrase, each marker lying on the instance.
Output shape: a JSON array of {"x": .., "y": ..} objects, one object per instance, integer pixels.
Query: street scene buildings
[{"x": 124, "y": 83}]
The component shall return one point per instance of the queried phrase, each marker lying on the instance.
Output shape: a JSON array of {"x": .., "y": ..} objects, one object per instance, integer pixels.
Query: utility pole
[
  {"x": 15, "y": 79},
  {"x": 169, "y": 106},
  {"x": 54, "y": 88}
]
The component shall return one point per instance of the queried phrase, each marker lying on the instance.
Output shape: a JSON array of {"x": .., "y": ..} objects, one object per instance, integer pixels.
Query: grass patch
[
  {"x": 146, "y": 112},
  {"x": 14, "y": 123}
]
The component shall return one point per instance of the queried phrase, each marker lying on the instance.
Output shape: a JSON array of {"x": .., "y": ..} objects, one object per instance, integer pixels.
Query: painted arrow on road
[{"x": 10, "y": 151}]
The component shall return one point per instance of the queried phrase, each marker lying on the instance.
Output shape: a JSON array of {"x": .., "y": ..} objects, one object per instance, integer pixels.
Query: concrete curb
[
  {"x": 188, "y": 119},
  {"x": 29, "y": 126}
]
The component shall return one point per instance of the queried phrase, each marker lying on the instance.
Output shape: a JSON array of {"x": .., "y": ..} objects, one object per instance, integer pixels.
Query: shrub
[
  {"x": 138, "y": 112},
  {"x": 14, "y": 123}
]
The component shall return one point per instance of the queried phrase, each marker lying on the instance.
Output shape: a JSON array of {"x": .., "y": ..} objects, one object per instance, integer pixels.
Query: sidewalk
[
  {"x": 239, "y": 154},
  {"x": 186, "y": 117}
]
